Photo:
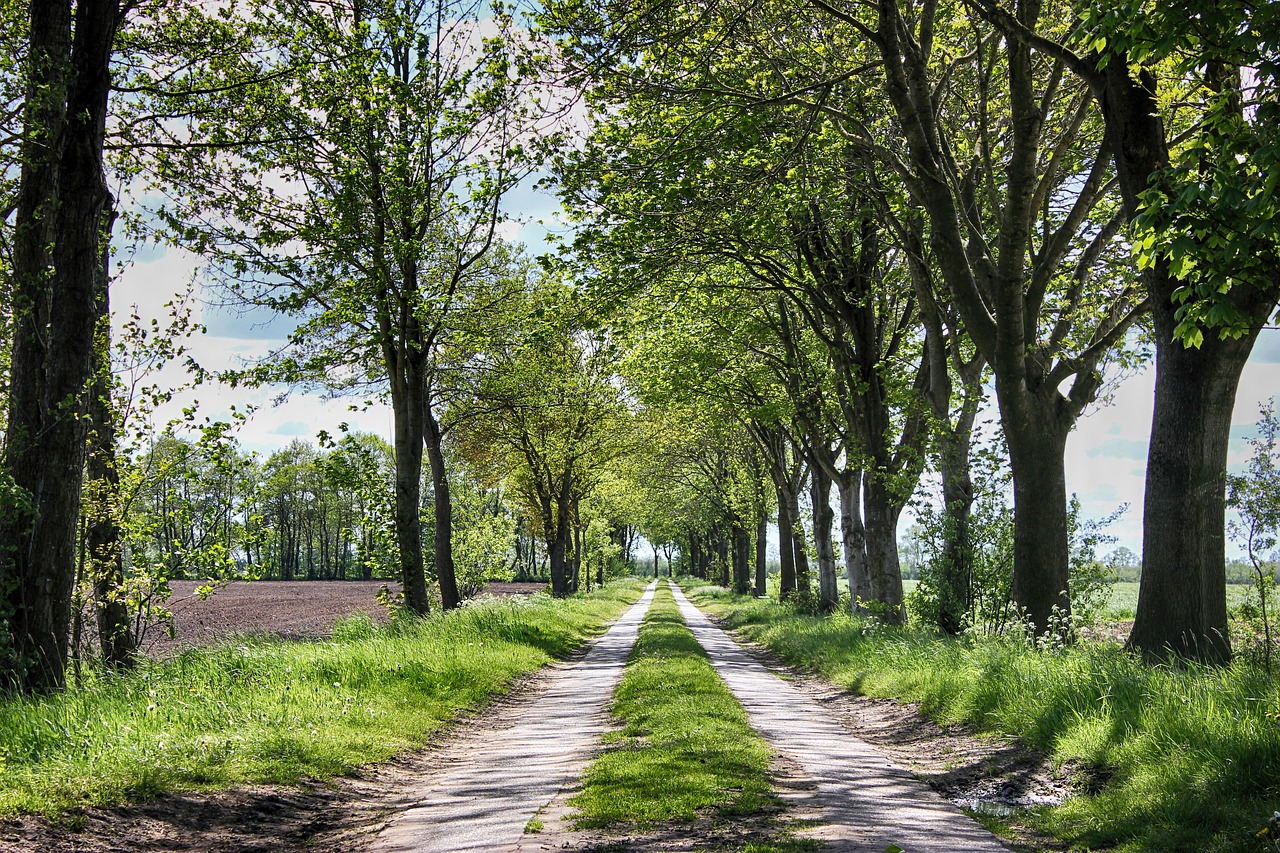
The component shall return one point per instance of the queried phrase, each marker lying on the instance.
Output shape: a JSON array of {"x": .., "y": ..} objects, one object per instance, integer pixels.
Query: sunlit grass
[
  {"x": 685, "y": 747},
  {"x": 1187, "y": 757},
  {"x": 254, "y": 711}
]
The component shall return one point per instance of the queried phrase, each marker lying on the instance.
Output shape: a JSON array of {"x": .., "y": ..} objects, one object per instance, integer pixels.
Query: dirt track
[{"x": 345, "y": 814}]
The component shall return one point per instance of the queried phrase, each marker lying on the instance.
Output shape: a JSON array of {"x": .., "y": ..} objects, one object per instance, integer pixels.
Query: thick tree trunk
[
  {"x": 884, "y": 569},
  {"x": 762, "y": 555},
  {"x": 559, "y": 549},
  {"x": 823, "y": 524},
  {"x": 443, "y": 506},
  {"x": 1182, "y": 605},
  {"x": 853, "y": 537},
  {"x": 62, "y": 200},
  {"x": 1040, "y": 541},
  {"x": 1182, "y": 599}
]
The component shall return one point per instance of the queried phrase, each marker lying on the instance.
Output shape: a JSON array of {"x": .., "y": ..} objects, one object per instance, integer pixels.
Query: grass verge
[
  {"x": 685, "y": 747},
  {"x": 254, "y": 711},
  {"x": 1183, "y": 758}
]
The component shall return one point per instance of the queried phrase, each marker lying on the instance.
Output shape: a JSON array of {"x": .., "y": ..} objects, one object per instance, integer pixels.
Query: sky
[{"x": 1105, "y": 455}]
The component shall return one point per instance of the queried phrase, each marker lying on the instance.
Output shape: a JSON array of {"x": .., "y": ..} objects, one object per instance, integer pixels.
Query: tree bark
[
  {"x": 1040, "y": 540},
  {"x": 104, "y": 545},
  {"x": 1182, "y": 600},
  {"x": 823, "y": 524},
  {"x": 762, "y": 554},
  {"x": 446, "y": 575},
  {"x": 786, "y": 547},
  {"x": 58, "y": 246},
  {"x": 853, "y": 535},
  {"x": 882, "y": 511}
]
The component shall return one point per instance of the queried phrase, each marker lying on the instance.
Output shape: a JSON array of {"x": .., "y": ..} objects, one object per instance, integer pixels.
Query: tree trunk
[
  {"x": 406, "y": 412},
  {"x": 854, "y": 539},
  {"x": 786, "y": 547},
  {"x": 62, "y": 185},
  {"x": 445, "y": 573},
  {"x": 885, "y": 572},
  {"x": 762, "y": 555},
  {"x": 559, "y": 549},
  {"x": 1182, "y": 600},
  {"x": 1040, "y": 541},
  {"x": 955, "y": 566},
  {"x": 797, "y": 536},
  {"x": 1182, "y": 606},
  {"x": 823, "y": 522},
  {"x": 103, "y": 536}
]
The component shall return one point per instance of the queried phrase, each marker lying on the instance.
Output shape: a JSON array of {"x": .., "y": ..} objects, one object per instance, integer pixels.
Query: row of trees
[
  {"x": 814, "y": 238},
  {"x": 854, "y": 220}
]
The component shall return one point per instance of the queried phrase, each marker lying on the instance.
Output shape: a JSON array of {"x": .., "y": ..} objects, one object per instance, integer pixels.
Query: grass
[
  {"x": 685, "y": 747},
  {"x": 1187, "y": 758},
  {"x": 255, "y": 711}
]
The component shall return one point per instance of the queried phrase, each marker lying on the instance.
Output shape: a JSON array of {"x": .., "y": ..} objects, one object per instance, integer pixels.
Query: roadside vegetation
[
  {"x": 685, "y": 750},
  {"x": 1176, "y": 757},
  {"x": 258, "y": 711}
]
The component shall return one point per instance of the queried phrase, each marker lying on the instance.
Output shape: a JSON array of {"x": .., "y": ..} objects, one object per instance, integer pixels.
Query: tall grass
[
  {"x": 1178, "y": 758},
  {"x": 251, "y": 711}
]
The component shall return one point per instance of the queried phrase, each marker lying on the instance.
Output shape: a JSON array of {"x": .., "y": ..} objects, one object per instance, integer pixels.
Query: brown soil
[
  {"x": 342, "y": 814},
  {"x": 291, "y": 610}
]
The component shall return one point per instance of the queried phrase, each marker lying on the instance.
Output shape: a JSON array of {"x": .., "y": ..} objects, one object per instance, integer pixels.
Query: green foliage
[
  {"x": 1212, "y": 213},
  {"x": 259, "y": 711},
  {"x": 1169, "y": 758},
  {"x": 1255, "y": 496},
  {"x": 685, "y": 748}
]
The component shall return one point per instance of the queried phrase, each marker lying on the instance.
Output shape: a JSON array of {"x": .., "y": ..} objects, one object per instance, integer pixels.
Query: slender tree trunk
[
  {"x": 823, "y": 523},
  {"x": 853, "y": 534},
  {"x": 559, "y": 548},
  {"x": 104, "y": 542},
  {"x": 955, "y": 581},
  {"x": 741, "y": 559},
  {"x": 762, "y": 555},
  {"x": 445, "y": 572},
  {"x": 797, "y": 537},
  {"x": 786, "y": 547},
  {"x": 406, "y": 411}
]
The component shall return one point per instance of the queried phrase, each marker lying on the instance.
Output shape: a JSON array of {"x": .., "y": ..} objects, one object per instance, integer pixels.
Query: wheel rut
[
  {"x": 492, "y": 785},
  {"x": 860, "y": 801}
]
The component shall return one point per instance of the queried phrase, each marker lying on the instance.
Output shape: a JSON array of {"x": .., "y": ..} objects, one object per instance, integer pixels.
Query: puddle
[{"x": 1007, "y": 806}]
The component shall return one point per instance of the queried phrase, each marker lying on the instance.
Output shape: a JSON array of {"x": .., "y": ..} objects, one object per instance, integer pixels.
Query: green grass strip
[
  {"x": 254, "y": 711},
  {"x": 1187, "y": 757},
  {"x": 685, "y": 747}
]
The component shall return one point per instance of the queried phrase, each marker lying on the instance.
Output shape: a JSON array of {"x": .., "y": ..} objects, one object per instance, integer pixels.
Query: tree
[
  {"x": 363, "y": 198},
  {"x": 544, "y": 402},
  {"x": 61, "y": 209},
  {"x": 1255, "y": 496}
]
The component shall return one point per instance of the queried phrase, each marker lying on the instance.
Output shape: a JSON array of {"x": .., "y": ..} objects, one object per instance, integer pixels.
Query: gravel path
[
  {"x": 863, "y": 802},
  {"x": 492, "y": 785}
]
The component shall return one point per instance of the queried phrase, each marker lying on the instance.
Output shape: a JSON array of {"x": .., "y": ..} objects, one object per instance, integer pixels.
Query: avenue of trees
[{"x": 811, "y": 241}]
